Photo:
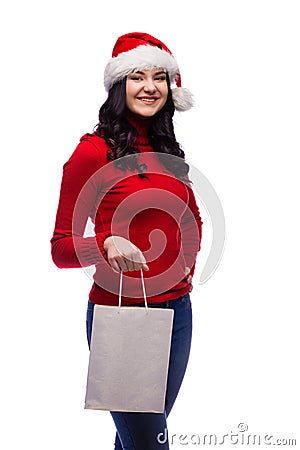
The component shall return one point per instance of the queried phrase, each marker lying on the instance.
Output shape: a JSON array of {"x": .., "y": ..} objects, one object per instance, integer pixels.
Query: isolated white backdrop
[{"x": 241, "y": 61}]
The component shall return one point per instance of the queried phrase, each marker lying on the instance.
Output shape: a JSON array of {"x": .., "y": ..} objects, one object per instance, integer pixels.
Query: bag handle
[{"x": 143, "y": 287}]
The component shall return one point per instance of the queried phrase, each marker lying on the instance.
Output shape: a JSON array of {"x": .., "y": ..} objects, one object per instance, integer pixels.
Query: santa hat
[{"x": 134, "y": 51}]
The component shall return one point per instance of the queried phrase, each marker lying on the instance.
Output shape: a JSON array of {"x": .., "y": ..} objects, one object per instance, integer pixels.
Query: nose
[{"x": 149, "y": 86}]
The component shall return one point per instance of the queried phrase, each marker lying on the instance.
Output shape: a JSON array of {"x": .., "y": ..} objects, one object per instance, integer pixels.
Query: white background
[{"x": 241, "y": 61}]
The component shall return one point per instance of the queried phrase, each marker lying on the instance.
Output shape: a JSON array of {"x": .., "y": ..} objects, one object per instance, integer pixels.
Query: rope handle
[{"x": 143, "y": 287}]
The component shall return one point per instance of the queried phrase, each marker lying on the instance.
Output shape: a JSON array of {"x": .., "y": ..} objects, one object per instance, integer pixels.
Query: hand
[
  {"x": 189, "y": 278},
  {"x": 123, "y": 255}
]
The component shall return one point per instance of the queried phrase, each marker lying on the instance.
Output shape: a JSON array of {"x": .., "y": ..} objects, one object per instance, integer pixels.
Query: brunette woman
[{"x": 130, "y": 178}]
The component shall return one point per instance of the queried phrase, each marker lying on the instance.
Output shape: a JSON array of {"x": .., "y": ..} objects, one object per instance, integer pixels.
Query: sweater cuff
[
  {"x": 87, "y": 251},
  {"x": 100, "y": 238}
]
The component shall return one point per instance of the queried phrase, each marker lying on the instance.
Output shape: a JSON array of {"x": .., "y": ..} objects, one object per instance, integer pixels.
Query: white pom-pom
[{"x": 182, "y": 98}]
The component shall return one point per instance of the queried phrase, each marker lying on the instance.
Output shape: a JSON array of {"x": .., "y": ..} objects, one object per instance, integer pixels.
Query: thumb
[{"x": 145, "y": 267}]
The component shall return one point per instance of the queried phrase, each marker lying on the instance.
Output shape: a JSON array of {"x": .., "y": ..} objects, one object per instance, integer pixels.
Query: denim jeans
[{"x": 148, "y": 431}]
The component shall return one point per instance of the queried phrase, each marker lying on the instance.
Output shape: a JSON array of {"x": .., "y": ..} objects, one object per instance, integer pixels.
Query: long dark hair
[{"x": 120, "y": 135}]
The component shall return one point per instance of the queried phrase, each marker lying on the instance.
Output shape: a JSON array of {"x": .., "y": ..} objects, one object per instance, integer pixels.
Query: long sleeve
[
  {"x": 68, "y": 246},
  {"x": 191, "y": 231}
]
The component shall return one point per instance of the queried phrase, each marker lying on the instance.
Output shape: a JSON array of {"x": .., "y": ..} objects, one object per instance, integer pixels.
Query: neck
[{"x": 141, "y": 125}]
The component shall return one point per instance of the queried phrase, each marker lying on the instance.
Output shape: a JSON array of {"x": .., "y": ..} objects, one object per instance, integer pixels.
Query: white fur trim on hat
[
  {"x": 182, "y": 98},
  {"x": 142, "y": 57}
]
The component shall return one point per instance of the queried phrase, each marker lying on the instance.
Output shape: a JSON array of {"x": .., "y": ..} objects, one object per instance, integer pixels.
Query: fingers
[
  {"x": 134, "y": 260},
  {"x": 114, "y": 264},
  {"x": 123, "y": 255},
  {"x": 187, "y": 270},
  {"x": 189, "y": 278},
  {"x": 120, "y": 263}
]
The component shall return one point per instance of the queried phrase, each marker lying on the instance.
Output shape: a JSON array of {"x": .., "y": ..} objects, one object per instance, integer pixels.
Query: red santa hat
[{"x": 134, "y": 51}]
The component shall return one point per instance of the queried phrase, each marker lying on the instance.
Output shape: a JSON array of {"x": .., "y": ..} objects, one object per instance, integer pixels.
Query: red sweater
[{"x": 158, "y": 213}]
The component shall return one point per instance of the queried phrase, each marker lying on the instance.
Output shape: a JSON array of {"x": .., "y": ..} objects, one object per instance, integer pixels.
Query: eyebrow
[{"x": 159, "y": 72}]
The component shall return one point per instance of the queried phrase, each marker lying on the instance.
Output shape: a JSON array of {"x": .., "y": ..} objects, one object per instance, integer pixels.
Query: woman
[{"x": 130, "y": 178}]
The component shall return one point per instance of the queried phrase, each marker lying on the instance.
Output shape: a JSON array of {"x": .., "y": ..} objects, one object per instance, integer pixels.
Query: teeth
[{"x": 149, "y": 100}]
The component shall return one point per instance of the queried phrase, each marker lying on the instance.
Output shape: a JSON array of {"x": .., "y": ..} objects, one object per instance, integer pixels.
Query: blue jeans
[{"x": 148, "y": 431}]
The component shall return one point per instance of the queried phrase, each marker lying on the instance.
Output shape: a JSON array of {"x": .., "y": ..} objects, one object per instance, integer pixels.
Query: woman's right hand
[{"x": 123, "y": 255}]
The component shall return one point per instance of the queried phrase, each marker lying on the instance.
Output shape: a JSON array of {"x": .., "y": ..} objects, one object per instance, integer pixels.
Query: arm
[
  {"x": 68, "y": 246},
  {"x": 191, "y": 232}
]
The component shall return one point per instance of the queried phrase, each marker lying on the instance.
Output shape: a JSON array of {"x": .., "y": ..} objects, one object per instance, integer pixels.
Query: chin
[{"x": 146, "y": 113}]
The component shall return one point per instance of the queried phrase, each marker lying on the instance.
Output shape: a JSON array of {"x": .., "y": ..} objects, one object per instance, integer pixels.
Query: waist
[
  {"x": 168, "y": 304},
  {"x": 100, "y": 296}
]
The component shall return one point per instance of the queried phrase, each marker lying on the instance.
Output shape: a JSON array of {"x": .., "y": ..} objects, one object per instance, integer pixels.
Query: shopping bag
[{"x": 129, "y": 357}]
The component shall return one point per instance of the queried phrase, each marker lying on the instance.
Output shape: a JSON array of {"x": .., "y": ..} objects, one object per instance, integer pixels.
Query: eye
[
  {"x": 135, "y": 77},
  {"x": 161, "y": 78}
]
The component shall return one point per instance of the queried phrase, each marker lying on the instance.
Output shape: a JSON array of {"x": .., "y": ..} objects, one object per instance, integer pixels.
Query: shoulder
[
  {"x": 90, "y": 151},
  {"x": 94, "y": 140},
  {"x": 92, "y": 146}
]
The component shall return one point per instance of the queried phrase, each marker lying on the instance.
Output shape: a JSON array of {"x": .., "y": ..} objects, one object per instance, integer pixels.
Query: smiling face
[{"x": 146, "y": 91}]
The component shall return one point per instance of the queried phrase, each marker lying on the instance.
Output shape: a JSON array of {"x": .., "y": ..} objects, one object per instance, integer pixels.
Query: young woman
[{"x": 130, "y": 178}]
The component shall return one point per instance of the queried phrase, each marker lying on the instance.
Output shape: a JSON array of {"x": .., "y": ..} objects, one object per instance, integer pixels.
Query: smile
[{"x": 148, "y": 100}]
